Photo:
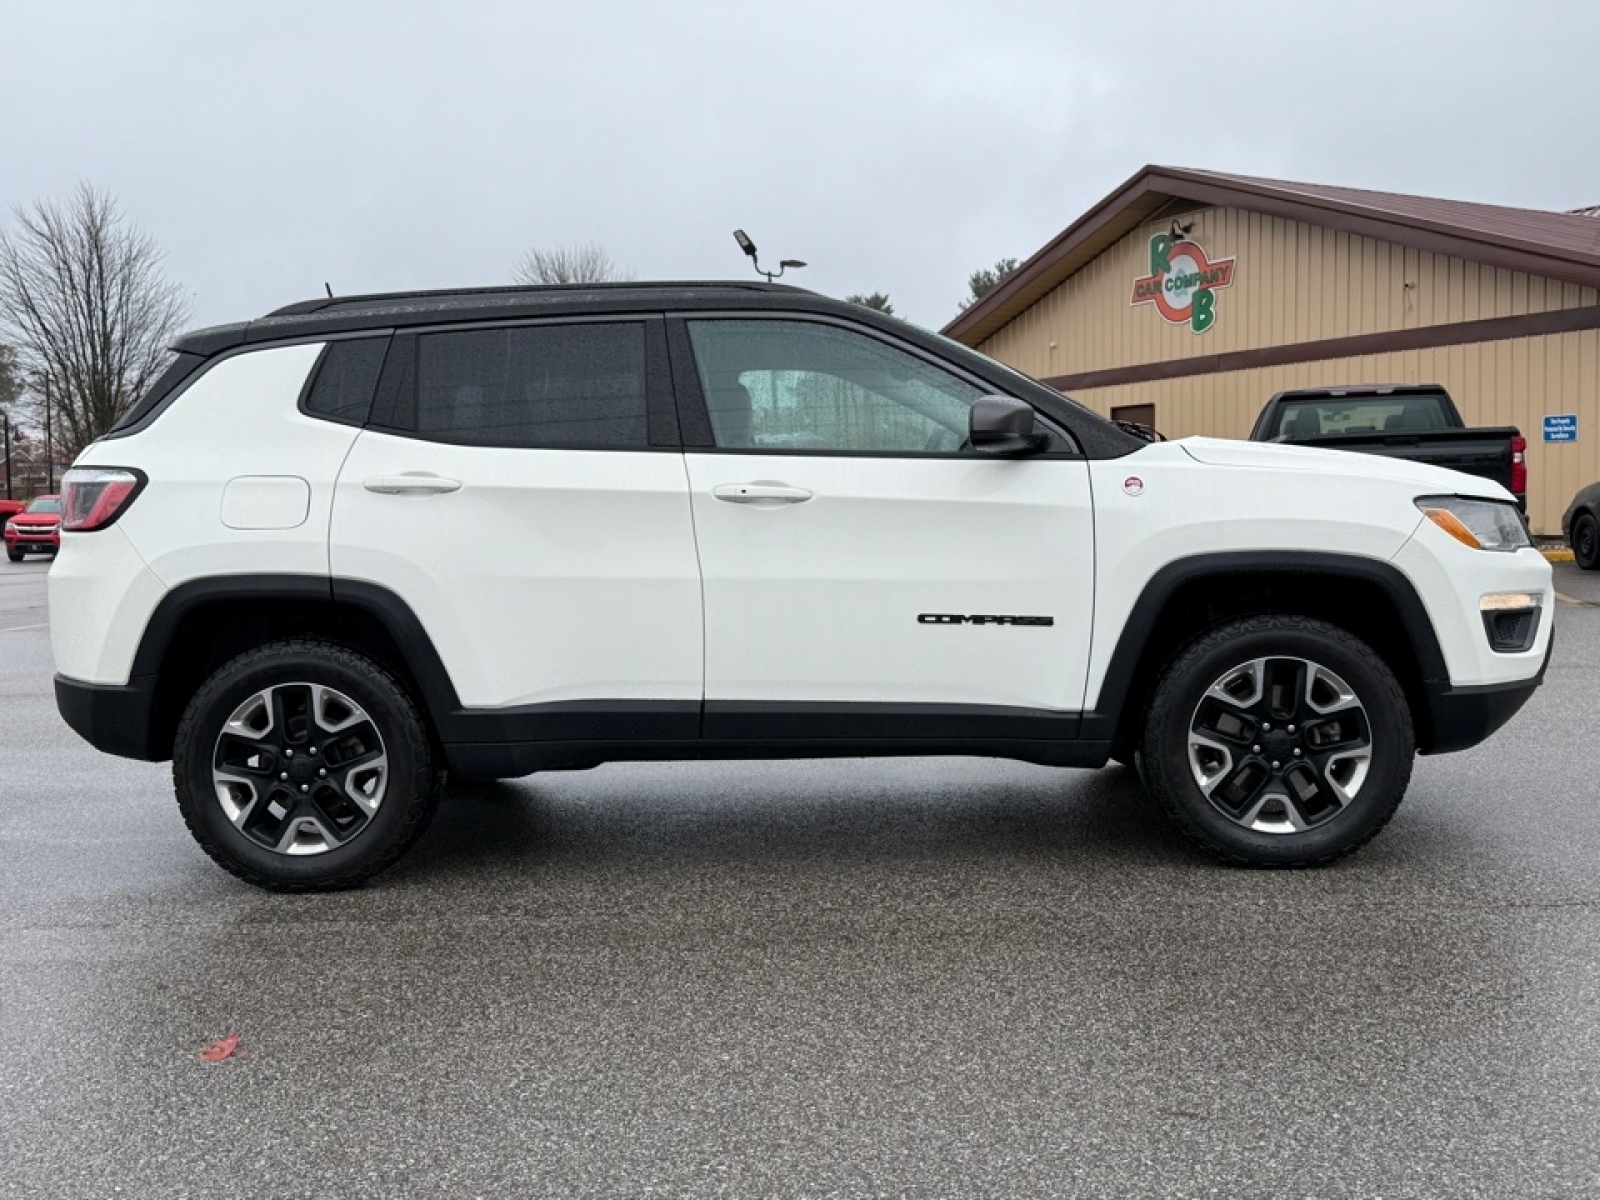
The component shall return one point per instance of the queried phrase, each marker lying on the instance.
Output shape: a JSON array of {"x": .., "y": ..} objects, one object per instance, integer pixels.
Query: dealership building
[{"x": 1186, "y": 299}]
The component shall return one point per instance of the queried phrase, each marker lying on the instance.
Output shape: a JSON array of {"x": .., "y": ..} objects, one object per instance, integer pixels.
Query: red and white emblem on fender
[{"x": 1133, "y": 485}]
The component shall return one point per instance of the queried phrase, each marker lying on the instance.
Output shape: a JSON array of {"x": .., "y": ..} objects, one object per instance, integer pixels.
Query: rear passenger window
[
  {"x": 546, "y": 385},
  {"x": 346, "y": 378}
]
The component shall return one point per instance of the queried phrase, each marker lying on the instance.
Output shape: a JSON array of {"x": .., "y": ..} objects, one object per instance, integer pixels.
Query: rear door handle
[
  {"x": 757, "y": 493},
  {"x": 398, "y": 485}
]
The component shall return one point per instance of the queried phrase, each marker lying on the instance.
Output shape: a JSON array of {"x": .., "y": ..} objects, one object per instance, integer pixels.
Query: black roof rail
[{"x": 325, "y": 303}]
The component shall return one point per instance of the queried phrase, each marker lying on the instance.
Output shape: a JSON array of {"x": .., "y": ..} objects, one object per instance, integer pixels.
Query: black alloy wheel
[
  {"x": 300, "y": 768},
  {"x": 1279, "y": 745}
]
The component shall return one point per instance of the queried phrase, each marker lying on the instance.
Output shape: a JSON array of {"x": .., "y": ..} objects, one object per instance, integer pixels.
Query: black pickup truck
[{"x": 1417, "y": 421}]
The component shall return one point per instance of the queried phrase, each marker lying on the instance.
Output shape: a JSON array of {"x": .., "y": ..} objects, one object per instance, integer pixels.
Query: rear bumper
[
  {"x": 1460, "y": 717},
  {"x": 114, "y": 718}
]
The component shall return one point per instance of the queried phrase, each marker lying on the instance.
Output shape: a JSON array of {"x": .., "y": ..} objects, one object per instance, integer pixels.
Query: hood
[
  {"x": 1220, "y": 452},
  {"x": 23, "y": 518}
]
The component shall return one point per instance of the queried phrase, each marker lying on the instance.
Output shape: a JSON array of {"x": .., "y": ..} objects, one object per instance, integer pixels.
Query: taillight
[
  {"x": 1519, "y": 466},
  {"x": 93, "y": 497}
]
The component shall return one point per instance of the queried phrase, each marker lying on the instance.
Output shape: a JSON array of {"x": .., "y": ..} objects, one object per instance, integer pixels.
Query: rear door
[
  {"x": 521, "y": 488},
  {"x": 867, "y": 573}
]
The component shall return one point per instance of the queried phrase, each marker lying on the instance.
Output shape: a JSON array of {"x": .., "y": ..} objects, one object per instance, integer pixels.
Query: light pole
[{"x": 749, "y": 248}]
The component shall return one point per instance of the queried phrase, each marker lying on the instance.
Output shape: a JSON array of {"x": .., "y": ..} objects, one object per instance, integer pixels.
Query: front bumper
[
  {"x": 1459, "y": 717},
  {"x": 29, "y": 541}
]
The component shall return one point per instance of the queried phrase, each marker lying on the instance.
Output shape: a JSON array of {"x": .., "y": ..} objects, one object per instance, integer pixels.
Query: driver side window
[{"x": 795, "y": 385}]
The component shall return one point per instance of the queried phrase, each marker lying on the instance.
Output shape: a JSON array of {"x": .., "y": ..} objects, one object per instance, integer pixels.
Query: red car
[{"x": 37, "y": 527}]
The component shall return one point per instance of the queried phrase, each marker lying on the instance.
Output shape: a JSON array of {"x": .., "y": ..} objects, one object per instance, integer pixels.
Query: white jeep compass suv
[{"x": 341, "y": 551}]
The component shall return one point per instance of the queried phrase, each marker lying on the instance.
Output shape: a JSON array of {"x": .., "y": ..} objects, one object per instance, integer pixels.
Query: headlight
[{"x": 1481, "y": 524}]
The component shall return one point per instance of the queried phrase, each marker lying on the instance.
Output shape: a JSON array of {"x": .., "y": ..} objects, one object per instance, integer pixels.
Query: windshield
[
  {"x": 1320, "y": 417},
  {"x": 964, "y": 349},
  {"x": 45, "y": 504}
]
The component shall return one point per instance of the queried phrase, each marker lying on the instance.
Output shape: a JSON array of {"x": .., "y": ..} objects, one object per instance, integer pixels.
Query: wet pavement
[{"x": 896, "y": 978}]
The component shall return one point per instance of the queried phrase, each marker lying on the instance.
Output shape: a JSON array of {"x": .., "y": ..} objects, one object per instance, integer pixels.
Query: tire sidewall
[
  {"x": 1586, "y": 524},
  {"x": 1166, "y": 754},
  {"x": 405, "y": 743}
]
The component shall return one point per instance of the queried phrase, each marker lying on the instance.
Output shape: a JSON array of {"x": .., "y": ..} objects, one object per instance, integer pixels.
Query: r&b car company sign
[{"x": 1183, "y": 282}]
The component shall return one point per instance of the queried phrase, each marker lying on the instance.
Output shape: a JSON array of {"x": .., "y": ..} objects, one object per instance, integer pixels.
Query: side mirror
[{"x": 1001, "y": 425}]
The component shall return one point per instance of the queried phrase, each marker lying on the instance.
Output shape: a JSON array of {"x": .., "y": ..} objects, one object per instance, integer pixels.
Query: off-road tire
[
  {"x": 1171, "y": 776},
  {"x": 413, "y": 782}
]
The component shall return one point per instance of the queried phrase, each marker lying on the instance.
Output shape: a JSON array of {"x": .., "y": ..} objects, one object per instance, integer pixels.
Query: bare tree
[
  {"x": 10, "y": 390},
  {"x": 83, "y": 297},
  {"x": 10, "y": 379},
  {"x": 588, "y": 263}
]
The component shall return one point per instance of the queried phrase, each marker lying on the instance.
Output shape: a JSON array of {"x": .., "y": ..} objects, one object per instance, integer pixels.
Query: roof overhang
[{"x": 1155, "y": 188}]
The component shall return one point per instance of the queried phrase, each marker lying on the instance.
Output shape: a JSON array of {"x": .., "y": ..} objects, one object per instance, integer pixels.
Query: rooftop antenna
[
  {"x": 749, "y": 248},
  {"x": 328, "y": 287}
]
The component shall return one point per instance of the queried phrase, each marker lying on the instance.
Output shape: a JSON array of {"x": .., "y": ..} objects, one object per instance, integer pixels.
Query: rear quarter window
[{"x": 346, "y": 377}]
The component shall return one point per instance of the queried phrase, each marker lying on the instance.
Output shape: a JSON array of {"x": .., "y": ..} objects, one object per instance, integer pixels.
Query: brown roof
[{"x": 1558, "y": 245}]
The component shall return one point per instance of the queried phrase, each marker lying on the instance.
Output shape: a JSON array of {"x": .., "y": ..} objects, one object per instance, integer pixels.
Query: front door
[{"x": 866, "y": 573}]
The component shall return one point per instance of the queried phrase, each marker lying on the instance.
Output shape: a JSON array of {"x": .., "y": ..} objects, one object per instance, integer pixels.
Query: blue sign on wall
[{"x": 1561, "y": 428}]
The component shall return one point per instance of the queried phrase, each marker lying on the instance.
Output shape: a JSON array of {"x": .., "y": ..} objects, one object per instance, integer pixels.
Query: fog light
[{"x": 1511, "y": 620}]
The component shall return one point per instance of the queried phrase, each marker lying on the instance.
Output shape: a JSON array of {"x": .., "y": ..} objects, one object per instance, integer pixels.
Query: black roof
[{"x": 390, "y": 310}]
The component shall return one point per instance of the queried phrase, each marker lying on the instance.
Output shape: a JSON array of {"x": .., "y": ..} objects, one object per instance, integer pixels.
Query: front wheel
[
  {"x": 15, "y": 555},
  {"x": 304, "y": 766},
  {"x": 1586, "y": 542},
  {"x": 1278, "y": 741}
]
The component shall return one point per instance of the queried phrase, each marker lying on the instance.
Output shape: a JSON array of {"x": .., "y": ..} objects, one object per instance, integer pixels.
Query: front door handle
[
  {"x": 757, "y": 493},
  {"x": 398, "y": 485}
]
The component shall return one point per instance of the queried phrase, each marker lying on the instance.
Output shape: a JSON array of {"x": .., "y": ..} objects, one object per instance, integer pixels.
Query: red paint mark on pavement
[{"x": 223, "y": 1047}]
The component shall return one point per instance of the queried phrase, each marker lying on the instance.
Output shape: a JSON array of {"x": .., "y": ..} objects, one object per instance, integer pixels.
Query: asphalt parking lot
[{"x": 864, "y": 978}]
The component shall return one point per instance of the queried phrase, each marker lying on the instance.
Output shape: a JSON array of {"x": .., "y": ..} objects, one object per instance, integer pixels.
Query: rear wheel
[
  {"x": 304, "y": 766},
  {"x": 1278, "y": 741},
  {"x": 1586, "y": 542}
]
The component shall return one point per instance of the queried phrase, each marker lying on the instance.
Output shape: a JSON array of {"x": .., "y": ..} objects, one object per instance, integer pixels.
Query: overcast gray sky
[{"x": 893, "y": 146}]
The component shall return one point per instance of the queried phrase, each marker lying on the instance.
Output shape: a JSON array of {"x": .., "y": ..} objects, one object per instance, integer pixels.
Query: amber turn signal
[{"x": 1452, "y": 524}]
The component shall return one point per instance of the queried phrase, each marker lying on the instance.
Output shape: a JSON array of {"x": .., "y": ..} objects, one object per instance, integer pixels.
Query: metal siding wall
[
  {"x": 1299, "y": 283},
  {"x": 1512, "y": 382},
  {"x": 1294, "y": 283}
]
